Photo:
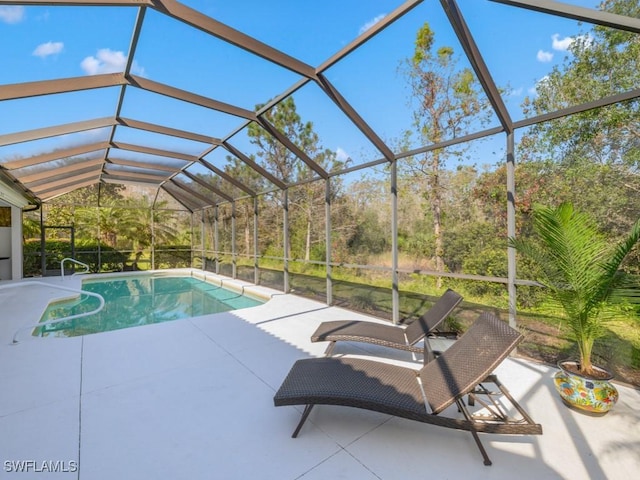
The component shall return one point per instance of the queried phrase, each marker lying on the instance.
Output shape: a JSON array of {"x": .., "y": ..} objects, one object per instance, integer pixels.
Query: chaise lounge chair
[
  {"x": 403, "y": 338},
  {"x": 420, "y": 395}
]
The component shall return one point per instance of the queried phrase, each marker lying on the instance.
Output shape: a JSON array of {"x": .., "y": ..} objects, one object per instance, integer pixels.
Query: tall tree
[
  {"x": 596, "y": 152},
  {"x": 447, "y": 101},
  {"x": 283, "y": 163},
  {"x": 601, "y": 63}
]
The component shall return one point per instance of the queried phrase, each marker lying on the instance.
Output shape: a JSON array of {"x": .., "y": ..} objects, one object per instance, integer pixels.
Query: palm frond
[
  {"x": 581, "y": 270},
  {"x": 616, "y": 285}
]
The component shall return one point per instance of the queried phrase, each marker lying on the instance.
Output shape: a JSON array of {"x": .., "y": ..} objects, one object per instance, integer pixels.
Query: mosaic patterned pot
[{"x": 583, "y": 393}]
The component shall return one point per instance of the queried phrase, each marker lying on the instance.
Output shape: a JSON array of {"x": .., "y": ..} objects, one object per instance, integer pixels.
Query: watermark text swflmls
[{"x": 39, "y": 466}]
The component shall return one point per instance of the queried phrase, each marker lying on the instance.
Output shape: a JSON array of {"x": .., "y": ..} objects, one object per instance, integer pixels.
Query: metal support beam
[
  {"x": 117, "y": 178},
  {"x": 192, "y": 222},
  {"x": 511, "y": 227},
  {"x": 285, "y": 238},
  {"x": 395, "y": 282},
  {"x": 223, "y": 32},
  {"x": 276, "y": 181},
  {"x": 135, "y": 164},
  {"x": 185, "y": 96},
  {"x": 582, "y": 14},
  {"x": 134, "y": 176},
  {"x": 477, "y": 62},
  {"x": 153, "y": 241},
  {"x": 190, "y": 192},
  {"x": 234, "y": 254},
  {"x": 67, "y": 184},
  {"x": 68, "y": 171},
  {"x": 203, "y": 259},
  {"x": 369, "y": 33},
  {"x": 65, "y": 129},
  {"x": 327, "y": 239},
  {"x": 154, "y": 151},
  {"x": 106, "y": 3},
  {"x": 63, "y": 85},
  {"x": 55, "y": 155},
  {"x": 49, "y": 195},
  {"x": 211, "y": 188},
  {"x": 292, "y": 147},
  {"x": 565, "y": 112},
  {"x": 256, "y": 251},
  {"x": 133, "y": 45},
  {"x": 43, "y": 253},
  {"x": 216, "y": 238},
  {"x": 181, "y": 197},
  {"x": 151, "y": 127},
  {"x": 355, "y": 118},
  {"x": 227, "y": 177}
]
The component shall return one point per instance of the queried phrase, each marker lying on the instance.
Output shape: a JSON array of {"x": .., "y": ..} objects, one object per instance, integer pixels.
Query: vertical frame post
[
  {"x": 153, "y": 241},
  {"x": 256, "y": 266},
  {"x": 43, "y": 252},
  {"x": 285, "y": 240},
  {"x": 511, "y": 227},
  {"x": 99, "y": 242},
  {"x": 203, "y": 245},
  {"x": 234, "y": 254},
  {"x": 327, "y": 236},
  {"x": 192, "y": 222},
  {"x": 395, "y": 292},
  {"x": 216, "y": 239}
]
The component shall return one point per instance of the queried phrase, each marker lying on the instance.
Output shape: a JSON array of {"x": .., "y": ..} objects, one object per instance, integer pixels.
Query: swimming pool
[{"x": 140, "y": 300}]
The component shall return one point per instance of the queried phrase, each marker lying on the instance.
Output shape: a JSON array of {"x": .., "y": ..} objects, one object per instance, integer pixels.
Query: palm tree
[{"x": 581, "y": 270}]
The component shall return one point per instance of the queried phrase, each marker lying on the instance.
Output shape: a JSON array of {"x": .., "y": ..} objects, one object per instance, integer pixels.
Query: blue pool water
[{"x": 140, "y": 300}]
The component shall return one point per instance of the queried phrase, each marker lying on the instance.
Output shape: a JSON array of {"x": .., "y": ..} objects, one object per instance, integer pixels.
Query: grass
[
  {"x": 546, "y": 338},
  {"x": 369, "y": 291}
]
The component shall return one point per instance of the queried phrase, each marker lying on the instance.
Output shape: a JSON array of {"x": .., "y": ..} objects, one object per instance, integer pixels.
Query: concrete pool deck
[{"x": 194, "y": 399}]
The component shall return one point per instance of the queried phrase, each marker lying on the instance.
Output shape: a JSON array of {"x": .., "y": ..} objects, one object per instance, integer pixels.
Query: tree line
[{"x": 451, "y": 219}]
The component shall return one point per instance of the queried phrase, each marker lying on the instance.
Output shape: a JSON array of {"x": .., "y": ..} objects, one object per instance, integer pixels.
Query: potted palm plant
[{"x": 581, "y": 272}]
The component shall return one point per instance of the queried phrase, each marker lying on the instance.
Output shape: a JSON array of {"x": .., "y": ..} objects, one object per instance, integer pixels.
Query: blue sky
[{"x": 44, "y": 42}]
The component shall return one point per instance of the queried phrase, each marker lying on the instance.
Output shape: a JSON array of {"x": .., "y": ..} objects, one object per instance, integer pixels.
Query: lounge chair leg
[
  {"x": 462, "y": 408},
  {"x": 329, "y": 350},
  {"x": 487, "y": 460},
  {"x": 305, "y": 414}
]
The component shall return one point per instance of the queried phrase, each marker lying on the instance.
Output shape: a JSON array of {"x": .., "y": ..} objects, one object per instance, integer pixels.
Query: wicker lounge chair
[
  {"x": 422, "y": 395},
  {"x": 394, "y": 336}
]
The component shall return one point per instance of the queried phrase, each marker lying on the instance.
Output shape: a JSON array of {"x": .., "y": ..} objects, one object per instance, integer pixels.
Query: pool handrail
[
  {"x": 73, "y": 260},
  {"x": 57, "y": 320}
]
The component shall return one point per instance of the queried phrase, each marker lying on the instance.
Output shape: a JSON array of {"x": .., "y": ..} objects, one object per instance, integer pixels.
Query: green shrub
[
  {"x": 177, "y": 256},
  {"x": 109, "y": 259}
]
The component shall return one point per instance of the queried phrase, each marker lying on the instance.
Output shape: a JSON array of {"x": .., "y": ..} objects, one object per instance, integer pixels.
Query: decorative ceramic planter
[{"x": 583, "y": 393}]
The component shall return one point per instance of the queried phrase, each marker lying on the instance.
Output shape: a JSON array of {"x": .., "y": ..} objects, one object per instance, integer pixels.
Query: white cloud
[
  {"x": 544, "y": 57},
  {"x": 11, "y": 14},
  {"x": 516, "y": 92},
  {"x": 560, "y": 44},
  {"x": 49, "y": 48},
  {"x": 342, "y": 155},
  {"x": 371, "y": 23},
  {"x": 107, "y": 61}
]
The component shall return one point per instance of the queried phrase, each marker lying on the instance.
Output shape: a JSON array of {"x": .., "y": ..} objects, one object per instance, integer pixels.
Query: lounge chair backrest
[
  {"x": 432, "y": 317},
  {"x": 468, "y": 361}
]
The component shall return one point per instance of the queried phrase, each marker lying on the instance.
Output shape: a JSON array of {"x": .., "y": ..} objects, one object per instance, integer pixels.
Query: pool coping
[{"x": 242, "y": 287}]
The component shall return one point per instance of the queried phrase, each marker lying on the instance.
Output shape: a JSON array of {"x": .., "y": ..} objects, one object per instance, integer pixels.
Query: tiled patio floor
[{"x": 192, "y": 399}]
